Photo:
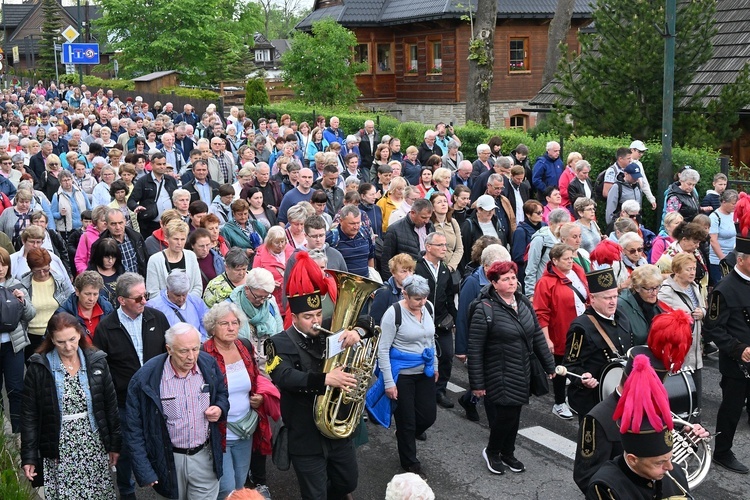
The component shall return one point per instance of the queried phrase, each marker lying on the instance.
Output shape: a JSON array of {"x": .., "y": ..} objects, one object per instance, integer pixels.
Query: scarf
[
  {"x": 65, "y": 200},
  {"x": 259, "y": 318}
]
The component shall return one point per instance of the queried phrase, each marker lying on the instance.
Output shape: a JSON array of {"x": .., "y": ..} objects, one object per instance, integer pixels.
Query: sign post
[
  {"x": 71, "y": 34},
  {"x": 81, "y": 53}
]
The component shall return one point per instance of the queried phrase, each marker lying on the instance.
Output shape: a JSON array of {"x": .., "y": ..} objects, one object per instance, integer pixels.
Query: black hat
[
  {"x": 601, "y": 280},
  {"x": 304, "y": 285},
  {"x": 643, "y": 412},
  {"x": 742, "y": 245}
]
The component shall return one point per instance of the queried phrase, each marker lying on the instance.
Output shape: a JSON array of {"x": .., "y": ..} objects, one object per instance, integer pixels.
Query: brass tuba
[
  {"x": 691, "y": 453},
  {"x": 337, "y": 413}
]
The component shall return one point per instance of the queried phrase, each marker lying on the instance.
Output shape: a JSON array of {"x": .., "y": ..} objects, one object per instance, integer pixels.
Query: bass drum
[{"x": 610, "y": 378}]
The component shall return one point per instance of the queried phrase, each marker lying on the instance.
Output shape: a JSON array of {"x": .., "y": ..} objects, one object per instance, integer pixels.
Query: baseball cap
[
  {"x": 634, "y": 170},
  {"x": 639, "y": 146},
  {"x": 486, "y": 202}
]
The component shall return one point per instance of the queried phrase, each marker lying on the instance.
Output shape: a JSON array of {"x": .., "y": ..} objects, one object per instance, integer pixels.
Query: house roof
[
  {"x": 15, "y": 13},
  {"x": 153, "y": 76},
  {"x": 281, "y": 45},
  {"x": 731, "y": 51},
  {"x": 373, "y": 12}
]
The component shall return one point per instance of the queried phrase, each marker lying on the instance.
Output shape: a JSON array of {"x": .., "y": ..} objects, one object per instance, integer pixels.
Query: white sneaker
[{"x": 562, "y": 411}]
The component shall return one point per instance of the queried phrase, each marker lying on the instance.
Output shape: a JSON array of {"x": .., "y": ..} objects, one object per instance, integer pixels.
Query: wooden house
[{"x": 416, "y": 52}]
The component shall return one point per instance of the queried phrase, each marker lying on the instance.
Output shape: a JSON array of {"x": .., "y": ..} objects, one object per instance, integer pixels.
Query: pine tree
[{"x": 45, "y": 63}]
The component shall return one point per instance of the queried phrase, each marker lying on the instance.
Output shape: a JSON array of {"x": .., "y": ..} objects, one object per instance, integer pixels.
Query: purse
[
  {"x": 539, "y": 381},
  {"x": 280, "y": 453},
  {"x": 245, "y": 426}
]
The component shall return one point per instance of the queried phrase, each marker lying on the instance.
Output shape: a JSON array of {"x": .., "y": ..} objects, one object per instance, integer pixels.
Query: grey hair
[
  {"x": 111, "y": 211},
  {"x": 64, "y": 174},
  {"x": 483, "y": 147},
  {"x": 628, "y": 238},
  {"x": 550, "y": 144},
  {"x": 582, "y": 203},
  {"x": 235, "y": 257},
  {"x": 179, "y": 192},
  {"x": 421, "y": 205},
  {"x": 690, "y": 174},
  {"x": 179, "y": 329},
  {"x": 107, "y": 168},
  {"x": 416, "y": 286},
  {"x": 452, "y": 144},
  {"x": 494, "y": 253},
  {"x": 349, "y": 210},
  {"x": 728, "y": 196},
  {"x": 178, "y": 282},
  {"x": 631, "y": 206},
  {"x": 260, "y": 279},
  {"x": 296, "y": 213},
  {"x": 558, "y": 216},
  {"x": 503, "y": 162},
  {"x": 351, "y": 180},
  {"x": 431, "y": 237},
  {"x": 276, "y": 233},
  {"x": 126, "y": 282},
  {"x": 408, "y": 485},
  {"x": 46, "y": 143},
  {"x": 318, "y": 255},
  {"x": 495, "y": 177},
  {"x": 218, "y": 311},
  {"x": 581, "y": 164}
]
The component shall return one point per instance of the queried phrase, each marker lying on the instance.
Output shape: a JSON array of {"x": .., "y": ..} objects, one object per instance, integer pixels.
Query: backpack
[
  {"x": 526, "y": 252},
  {"x": 599, "y": 186},
  {"x": 397, "y": 311},
  {"x": 11, "y": 310}
]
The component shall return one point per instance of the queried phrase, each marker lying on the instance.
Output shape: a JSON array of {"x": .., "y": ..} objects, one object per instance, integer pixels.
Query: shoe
[
  {"x": 416, "y": 469},
  {"x": 494, "y": 464},
  {"x": 513, "y": 464},
  {"x": 730, "y": 462},
  {"x": 443, "y": 401},
  {"x": 263, "y": 490},
  {"x": 421, "y": 437},
  {"x": 471, "y": 409},
  {"x": 562, "y": 411},
  {"x": 709, "y": 348}
]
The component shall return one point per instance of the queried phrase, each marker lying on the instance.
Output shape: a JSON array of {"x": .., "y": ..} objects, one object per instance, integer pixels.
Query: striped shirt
[
  {"x": 134, "y": 327},
  {"x": 184, "y": 405}
]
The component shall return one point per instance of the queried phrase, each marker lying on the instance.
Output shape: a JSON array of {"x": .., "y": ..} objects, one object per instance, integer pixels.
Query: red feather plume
[
  {"x": 670, "y": 338},
  {"x": 606, "y": 253},
  {"x": 742, "y": 214},
  {"x": 643, "y": 393}
]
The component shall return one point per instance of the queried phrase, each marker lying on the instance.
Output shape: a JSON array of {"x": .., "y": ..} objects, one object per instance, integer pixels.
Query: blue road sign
[{"x": 80, "y": 53}]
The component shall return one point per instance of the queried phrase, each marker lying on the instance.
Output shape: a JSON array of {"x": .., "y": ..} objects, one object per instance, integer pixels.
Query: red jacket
[
  {"x": 554, "y": 303},
  {"x": 568, "y": 175},
  {"x": 265, "y": 260}
]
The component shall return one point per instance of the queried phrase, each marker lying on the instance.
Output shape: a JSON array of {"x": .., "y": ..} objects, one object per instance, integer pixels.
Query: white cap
[
  {"x": 138, "y": 98},
  {"x": 486, "y": 202},
  {"x": 638, "y": 145}
]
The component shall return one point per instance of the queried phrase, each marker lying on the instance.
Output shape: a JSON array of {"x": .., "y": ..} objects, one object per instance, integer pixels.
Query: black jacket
[
  {"x": 400, "y": 238},
  {"x": 144, "y": 194},
  {"x": 471, "y": 232},
  {"x": 726, "y": 323},
  {"x": 498, "y": 348},
  {"x": 195, "y": 196},
  {"x": 576, "y": 190},
  {"x": 138, "y": 244},
  {"x": 510, "y": 193},
  {"x": 425, "y": 152},
  {"x": 40, "y": 425},
  {"x": 335, "y": 197},
  {"x": 36, "y": 166},
  {"x": 441, "y": 292},
  {"x": 111, "y": 337}
]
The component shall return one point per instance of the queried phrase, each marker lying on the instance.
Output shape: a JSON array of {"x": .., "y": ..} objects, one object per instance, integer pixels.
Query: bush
[
  {"x": 256, "y": 93},
  {"x": 208, "y": 95},
  {"x": 13, "y": 485},
  {"x": 96, "y": 82}
]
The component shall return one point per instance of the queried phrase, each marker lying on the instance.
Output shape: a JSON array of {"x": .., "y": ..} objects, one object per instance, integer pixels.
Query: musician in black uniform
[
  {"x": 599, "y": 435},
  {"x": 326, "y": 468},
  {"x": 587, "y": 350},
  {"x": 644, "y": 470},
  {"x": 728, "y": 326}
]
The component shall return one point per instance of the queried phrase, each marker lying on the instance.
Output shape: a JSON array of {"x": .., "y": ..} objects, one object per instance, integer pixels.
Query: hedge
[
  {"x": 207, "y": 95},
  {"x": 95, "y": 81}
]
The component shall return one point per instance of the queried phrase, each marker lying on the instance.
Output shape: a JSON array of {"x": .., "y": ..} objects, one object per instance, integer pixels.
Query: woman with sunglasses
[
  {"x": 641, "y": 301},
  {"x": 631, "y": 257},
  {"x": 688, "y": 237}
]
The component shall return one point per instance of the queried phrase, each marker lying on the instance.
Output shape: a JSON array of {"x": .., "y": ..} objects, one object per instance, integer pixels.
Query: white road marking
[
  {"x": 455, "y": 388},
  {"x": 553, "y": 441}
]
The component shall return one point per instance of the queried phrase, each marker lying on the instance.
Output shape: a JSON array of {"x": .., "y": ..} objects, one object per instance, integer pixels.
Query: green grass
[{"x": 13, "y": 484}]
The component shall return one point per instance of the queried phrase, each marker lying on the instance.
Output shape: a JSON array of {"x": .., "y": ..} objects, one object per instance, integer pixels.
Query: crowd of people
[{"x": 168, "y": 279}]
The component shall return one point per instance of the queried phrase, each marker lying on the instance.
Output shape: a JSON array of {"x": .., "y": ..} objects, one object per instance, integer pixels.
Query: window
[
  {"x": 411, "y": 59},
  {"x": 518, "y": 122},
  {"x": 519, "y": 55},
  {"x": 435, "y": 57},
  {"x": 362, "y": 55},
  {"x": 385, "y": 60},
  {"x": 263, "y": 55}
]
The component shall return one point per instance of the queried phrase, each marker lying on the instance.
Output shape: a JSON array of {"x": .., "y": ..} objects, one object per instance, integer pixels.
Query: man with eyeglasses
[
  {"x": 599, "y": 336},
  {"x": 178, "y": 305},
  {"x": 130, "y": 336},
  {"x": 9, "y": 174},
  {"x": 432, "y": 268}
]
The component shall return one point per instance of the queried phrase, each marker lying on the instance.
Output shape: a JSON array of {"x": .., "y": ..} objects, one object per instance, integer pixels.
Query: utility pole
[
  {"x": 78, "y": 19},
  {"x": 669, "y": 34}
]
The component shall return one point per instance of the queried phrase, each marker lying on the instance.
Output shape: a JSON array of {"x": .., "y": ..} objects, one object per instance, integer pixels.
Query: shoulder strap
[
  {"x": 577, "y": 292},
  {"x": 397, "y": 313},
  {"x": 604, "y": 335}
]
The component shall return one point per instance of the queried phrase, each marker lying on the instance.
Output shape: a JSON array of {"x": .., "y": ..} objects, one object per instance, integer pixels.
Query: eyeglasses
[
  {"x": 634, "y": 216},
  {"x": 438, "y": 244},
  {"x": 261, "y": 297},
  {"x": 634, "y": 250},
  {"x": 139, "y": 298},
  {"x": 43, "y": 270},
  {"x": 539, "y": 213},
  {"x": 225, "y": 324},
  {"x": 650, "y": 290}
]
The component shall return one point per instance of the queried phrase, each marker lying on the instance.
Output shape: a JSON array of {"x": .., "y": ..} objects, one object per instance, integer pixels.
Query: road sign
[
  {"x": 70, "y": 34},
  {"x": 70, "y": 69},
  {"x": 16, "y": 56},
  {"x": 80, "y": 53}
]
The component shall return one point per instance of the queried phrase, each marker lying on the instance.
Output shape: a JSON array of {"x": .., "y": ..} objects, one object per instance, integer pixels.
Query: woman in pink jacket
[
  {"x": 273, "y": 255},
  {"x": 90, "y": 235}
]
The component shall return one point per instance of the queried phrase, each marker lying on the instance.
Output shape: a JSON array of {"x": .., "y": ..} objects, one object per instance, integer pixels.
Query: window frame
[
  {"x": 368, "y": 71},
  {"x": 408, "y": 60},
  {"x": 521, "y": 116},
  {"x": 392, "y": 49},
  {"x": 431, "y": 67},
  {"x": 526, "y": 56},
  {"x": 263, "y": 52}
]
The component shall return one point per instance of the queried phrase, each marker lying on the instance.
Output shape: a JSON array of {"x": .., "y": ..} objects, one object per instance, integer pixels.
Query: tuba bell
[{"x": 337, "y": 413}]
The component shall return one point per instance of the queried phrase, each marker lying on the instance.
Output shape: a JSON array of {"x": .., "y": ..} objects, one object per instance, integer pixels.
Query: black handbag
[
  {"x": 280, "y": 453},
  {"x": 539, "y": 381}
]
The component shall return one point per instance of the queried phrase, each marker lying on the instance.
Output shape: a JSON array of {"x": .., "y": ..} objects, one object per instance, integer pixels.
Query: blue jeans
[
  {"x": 236, "y": 466},
  {"x": 11, "y": 370},
  {"x": 714, "y": 274},
  {"x": 125, "y": 481}
]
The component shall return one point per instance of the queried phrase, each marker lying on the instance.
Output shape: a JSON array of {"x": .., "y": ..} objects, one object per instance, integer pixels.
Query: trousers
[
  {"x": 446, "y": 350},
  {"x": 415, "y": 412},
  {"x": 734, "y": 392},
  {"x": 328, "y": 476},
  {"x": 504, "y": 430}
]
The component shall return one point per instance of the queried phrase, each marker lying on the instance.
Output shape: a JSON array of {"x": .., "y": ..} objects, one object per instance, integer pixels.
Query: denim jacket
[{"x": 55, "y": 363}]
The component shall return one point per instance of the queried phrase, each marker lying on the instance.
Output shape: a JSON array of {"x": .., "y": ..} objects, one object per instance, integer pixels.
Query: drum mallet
[{"x": 562, "y": 371}]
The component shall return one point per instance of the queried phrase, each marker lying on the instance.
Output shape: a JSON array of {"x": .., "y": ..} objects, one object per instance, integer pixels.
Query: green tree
[
  {"x": 205, "y": 41},
  {"x": 320, "y": 67},
  {"x": 45, "y": 63},
  {"x": 616, "y": 82},
  {"x": 481, "y": 62}
]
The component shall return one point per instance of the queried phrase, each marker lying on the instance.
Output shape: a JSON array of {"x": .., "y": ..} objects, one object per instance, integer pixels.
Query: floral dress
[{"x": 82, "y": 471}]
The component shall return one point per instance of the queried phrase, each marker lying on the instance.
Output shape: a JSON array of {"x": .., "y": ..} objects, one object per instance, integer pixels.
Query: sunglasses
[
  {"x": 139, "y": 298},
  {"x": 635, "y": 250}
]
